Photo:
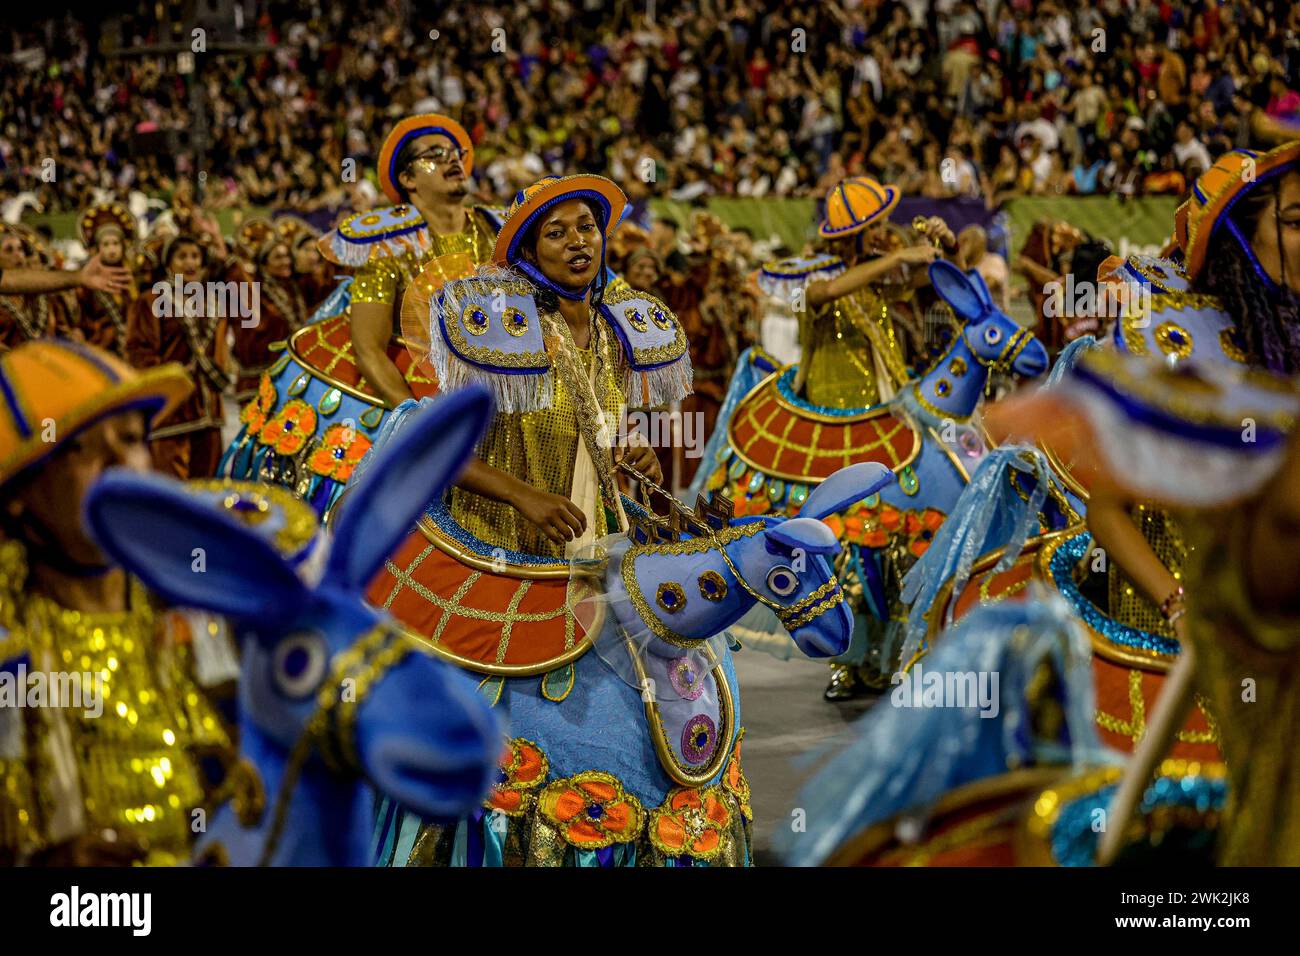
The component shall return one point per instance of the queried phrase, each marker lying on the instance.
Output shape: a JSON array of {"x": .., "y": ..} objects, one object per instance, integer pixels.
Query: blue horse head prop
[
  {"x": 990, "y": 341},
  {"x": 330, "y": 692},
  {"x": 782, "y": 563}
]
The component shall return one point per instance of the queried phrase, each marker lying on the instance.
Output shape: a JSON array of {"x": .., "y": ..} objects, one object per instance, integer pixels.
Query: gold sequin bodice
[
  {"x": 1248, "y": 668},
  {"x": 135, "y": 768},
  {"x": 839, "y": 340},
  {"x": 540, "y": 448},
  {"x": 1130, "y": 606},
  {"x": 382, "y": 278}
]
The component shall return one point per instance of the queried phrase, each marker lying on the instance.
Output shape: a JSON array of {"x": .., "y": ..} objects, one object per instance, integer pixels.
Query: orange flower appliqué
[
  {"x": 734, "y": 780},
  {"x": 522, "y": 770},
  {"x": 691, "y": 823},
  {"x": 290, "y": 428},
  {"x": 592, "y": 810},
  {"x": 920, "y": 528},
  {"x": 253, "y": 415},
  {"x": 341, "y": 447}
]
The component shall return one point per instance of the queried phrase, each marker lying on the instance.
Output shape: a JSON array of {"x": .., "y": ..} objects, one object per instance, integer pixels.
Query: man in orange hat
[
  {"x": 106, "y": 229},
  {"x": 424, "y": 167},
  {"x": 105, "y": 770}
]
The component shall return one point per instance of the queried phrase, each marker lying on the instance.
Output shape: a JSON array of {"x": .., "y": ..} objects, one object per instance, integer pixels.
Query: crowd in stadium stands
[{"x": 701, "y": 98}]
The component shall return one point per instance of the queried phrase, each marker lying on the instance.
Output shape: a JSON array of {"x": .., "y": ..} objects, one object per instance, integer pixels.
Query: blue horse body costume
[
  {"x": 333, "y": 700},
  {"x": 645, "y": 725},
  {"x": 927, "y": 434}
]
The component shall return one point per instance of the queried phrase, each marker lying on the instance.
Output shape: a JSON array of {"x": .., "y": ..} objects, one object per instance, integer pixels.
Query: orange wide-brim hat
[
  {"x": 1217, "y": 190},
  {"x": 532, "y": 201},
  {"x": 51, "y": 390},
  {"x": 855, "y": 204},
  {"x": 424, "y": 124}
]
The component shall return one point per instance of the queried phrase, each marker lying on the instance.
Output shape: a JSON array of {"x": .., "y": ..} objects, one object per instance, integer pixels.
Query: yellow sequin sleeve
[{"x": 376, "y": 281}]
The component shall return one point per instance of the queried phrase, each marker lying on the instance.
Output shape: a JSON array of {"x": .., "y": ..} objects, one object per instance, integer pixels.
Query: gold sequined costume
[{"x": 131, "y": 769}]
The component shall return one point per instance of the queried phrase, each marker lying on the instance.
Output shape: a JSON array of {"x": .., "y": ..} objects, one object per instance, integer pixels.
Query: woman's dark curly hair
[
  {"x": 546, "y": 298},
  {"x": 1268, "y": 320}
]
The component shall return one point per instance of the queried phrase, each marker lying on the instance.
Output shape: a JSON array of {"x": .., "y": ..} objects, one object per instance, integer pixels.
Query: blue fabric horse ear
[
  {"x": 959, "y": 290},
  {"x": 408, "y": 475},
  {"x": 806, "y": 534},
  {"x": 981, "y": 289},
  {"x": 189, "y": 552},
  {"x": 846, "y": 487}
]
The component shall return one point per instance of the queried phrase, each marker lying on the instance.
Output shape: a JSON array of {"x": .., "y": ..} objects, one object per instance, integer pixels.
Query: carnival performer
[
  {"x": 1244, "y": 216},
  {"x": 106, "y": 230},
  {"x": 424, "y": 168},
  {"x": 543, "y": 482},
  {"x": 17, "y": 279},
  {"x": 192, "y": 332},
  {"x": 108, "y": 774},
  {"x": 1173, "y": 436},
  {"x": 323, "y": 401},
  {"x": 314, "y": 275},
  {"x": 282, "y": 309},
  {"x": 852, "y": 355},
  {"x": 37, "y": 312},
  {"x": 565, "y": 355}
]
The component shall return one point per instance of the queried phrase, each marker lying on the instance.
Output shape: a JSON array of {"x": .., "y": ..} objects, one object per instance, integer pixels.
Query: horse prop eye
[
  {"x": 993, "y": 335},
  {"x": 299, "y": 664},
  {"x": 782, "y": 582}
]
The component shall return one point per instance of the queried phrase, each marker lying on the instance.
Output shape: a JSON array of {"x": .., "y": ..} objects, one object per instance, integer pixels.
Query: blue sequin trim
[
  {"x": 1063, "y": 561},
  {"x": 785, "y": 386},
  {"x": 1073, "y": 840},
  {"x": 441, "y": 517}
]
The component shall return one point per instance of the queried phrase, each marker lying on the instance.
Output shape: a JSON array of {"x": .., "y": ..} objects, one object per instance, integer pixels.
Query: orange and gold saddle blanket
[{"x": 483, "y": 611}]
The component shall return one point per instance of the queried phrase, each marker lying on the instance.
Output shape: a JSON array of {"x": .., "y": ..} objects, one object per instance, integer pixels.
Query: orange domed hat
[
  {"x": 1216, "y": 191},
  {"x": 50, "y": 390},
  {"x": 424, "y": 124},
  {"x": 855, "y": 204}
]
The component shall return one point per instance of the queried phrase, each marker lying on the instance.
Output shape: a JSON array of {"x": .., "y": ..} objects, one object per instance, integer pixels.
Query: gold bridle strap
[
  {"x": 783, "y": 612},
  {"x": 331, "y": 730}
]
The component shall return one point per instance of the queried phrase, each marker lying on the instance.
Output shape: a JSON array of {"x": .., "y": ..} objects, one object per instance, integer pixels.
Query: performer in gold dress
[
  {"x": 853, "y": 355},
  {"x": 110, "y": 774}
]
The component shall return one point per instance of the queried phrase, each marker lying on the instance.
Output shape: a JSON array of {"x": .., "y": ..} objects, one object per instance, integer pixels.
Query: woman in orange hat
[
  {"x": 563, "y": 355},
  {"x": 110, "y": 775},
  {"x": 1239, "y": 232}
]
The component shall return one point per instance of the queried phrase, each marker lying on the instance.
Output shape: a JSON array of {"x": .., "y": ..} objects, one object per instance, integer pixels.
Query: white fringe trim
[
  {"x": 660, "y": 386},
  {"x": 513, "y": 393}
]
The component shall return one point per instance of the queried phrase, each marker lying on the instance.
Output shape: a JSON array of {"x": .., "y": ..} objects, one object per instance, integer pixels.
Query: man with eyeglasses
[{"x": 424, "y": 167}]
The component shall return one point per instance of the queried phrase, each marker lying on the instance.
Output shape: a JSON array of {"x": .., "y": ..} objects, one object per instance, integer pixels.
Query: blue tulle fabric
[
  {"x": 390, "y": 427},
  {"x": 990, "y": 514},
  {"x": 903, "y": 758},
  {"x": 1069, "y": 357}
]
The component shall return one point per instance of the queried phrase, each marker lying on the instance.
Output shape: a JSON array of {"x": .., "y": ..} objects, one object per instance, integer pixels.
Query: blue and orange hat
[
  {"x": 532, "y": 201},
  {"x": 423, "y": 124},
  {"x": 855, "y": 204},
  {"x": 1216, "y": 191},
  {"x": 70, "y": 386}
]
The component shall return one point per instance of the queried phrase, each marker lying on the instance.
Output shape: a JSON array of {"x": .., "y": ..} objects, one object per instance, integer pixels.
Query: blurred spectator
[{"x": 711, "y": 97}]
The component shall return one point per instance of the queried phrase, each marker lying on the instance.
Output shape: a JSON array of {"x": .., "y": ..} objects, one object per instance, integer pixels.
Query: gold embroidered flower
[
  {"x": 592, "y": 810},
  {"x": 522, "y": 770}
]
